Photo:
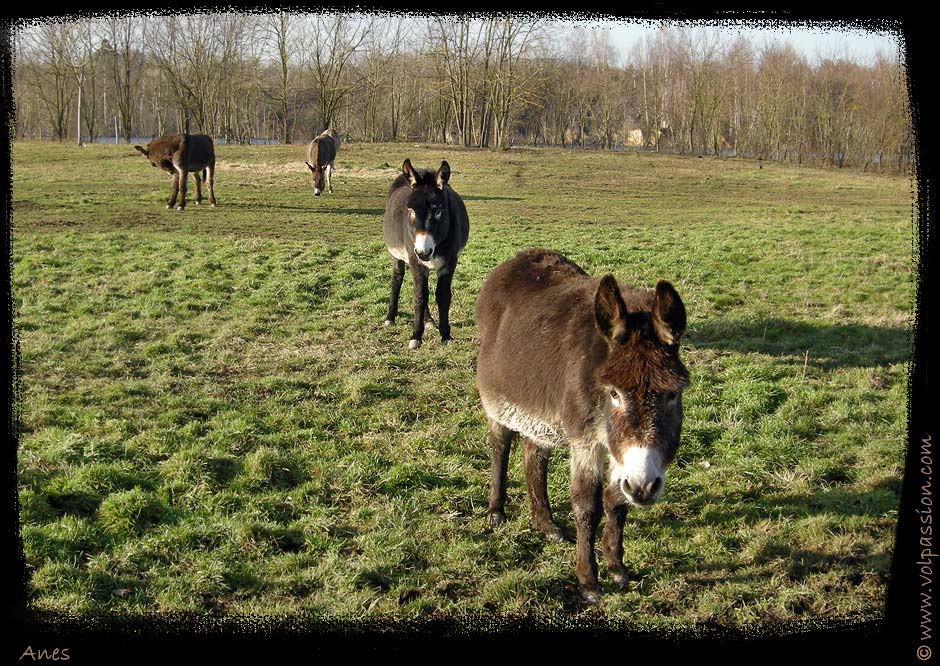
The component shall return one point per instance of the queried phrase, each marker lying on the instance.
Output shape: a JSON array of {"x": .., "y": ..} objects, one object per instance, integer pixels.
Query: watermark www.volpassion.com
[{"x": 927, "y": 556}]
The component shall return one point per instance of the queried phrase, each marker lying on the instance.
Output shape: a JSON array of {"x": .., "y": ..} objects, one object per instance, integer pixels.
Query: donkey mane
[
  {"x": 424, "y": 177},
  {"x": 645, "y": 364}
]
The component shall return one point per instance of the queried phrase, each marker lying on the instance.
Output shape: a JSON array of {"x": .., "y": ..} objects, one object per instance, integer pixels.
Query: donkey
[
  {"x": 425, "y": 225},
  {"x": 321, "y": 152},
  {"x": 566, "y": 360},
  {"x": 180, "y": 155}
]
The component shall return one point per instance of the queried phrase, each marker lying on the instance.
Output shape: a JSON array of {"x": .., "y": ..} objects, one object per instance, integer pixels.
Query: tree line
[{"x": 470, "y": 81}]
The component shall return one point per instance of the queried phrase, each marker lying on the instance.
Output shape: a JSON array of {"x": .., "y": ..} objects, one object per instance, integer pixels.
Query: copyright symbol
[{"x": 923, "y": 653}]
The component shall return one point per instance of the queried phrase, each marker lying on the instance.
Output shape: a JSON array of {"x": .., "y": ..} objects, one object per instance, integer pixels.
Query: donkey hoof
[
  {"x": 496, "y": 518},
  {"x": 590, "y": 595},
  {"x": 388, "y": 322},
  {"x": 444, "y": 342},
  {"x": 168, "y": 206},
  {"x": 621, "y": 579},
  {"x": 414, "y": 343},
  {"x": 179, "y": 208},
  {"x": 429, "y": 324},
  {"x": 554, "y": 534},
  {"x": 212, "y": 205}
]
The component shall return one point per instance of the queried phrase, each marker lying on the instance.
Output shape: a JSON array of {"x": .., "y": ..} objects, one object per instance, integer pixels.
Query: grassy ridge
[{"x": 214, "y": 418}]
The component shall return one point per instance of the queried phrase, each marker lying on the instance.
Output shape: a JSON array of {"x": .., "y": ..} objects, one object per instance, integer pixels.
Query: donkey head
[
  {"x": 427, "y": 208},
  {"x": 158, "y": 155},
  {"x": 316, "y": 173},
  {"x": 639, "y": 387}
]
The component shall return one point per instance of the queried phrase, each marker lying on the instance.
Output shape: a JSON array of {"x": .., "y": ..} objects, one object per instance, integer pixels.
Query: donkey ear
[
  {"x": 668, "y": 314},
  {"x": 309, "y": 166},
  {"x": 442, "y": 175},
  {"x": 143, "y": 151},
  {"x": 409, "y": 171},
  {"x": 610, "y": 312}
]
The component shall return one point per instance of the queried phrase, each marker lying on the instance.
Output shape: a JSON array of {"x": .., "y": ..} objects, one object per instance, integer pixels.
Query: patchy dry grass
[{"x": 214, "y": 419}]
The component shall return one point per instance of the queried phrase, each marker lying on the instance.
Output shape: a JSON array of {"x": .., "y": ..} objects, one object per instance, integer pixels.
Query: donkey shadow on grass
[
  {"x": 311, "y": 208},
  {"x": 821, "y": 346},
  {"x": 831, "y": 500},
  {"x": 481, "y": 197}
]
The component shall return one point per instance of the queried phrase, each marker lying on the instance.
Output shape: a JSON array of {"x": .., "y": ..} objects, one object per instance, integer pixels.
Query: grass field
[{"x": 214, "y": 419}]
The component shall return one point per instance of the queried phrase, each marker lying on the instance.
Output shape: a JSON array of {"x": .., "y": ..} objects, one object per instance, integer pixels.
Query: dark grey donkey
[
  {"x": 587, "y": 364},
  {"x": 425, "y": 225},
  {"x": 181, "y": 155},
  {"x": 320, "y": 156}
]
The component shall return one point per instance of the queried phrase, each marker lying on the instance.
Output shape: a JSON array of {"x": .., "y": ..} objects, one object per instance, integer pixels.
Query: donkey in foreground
[
  {"x": 566, "y": 360},
  {"x": 320, "y": 155},
  {"x": 426, "y": 225},
  {"x": 180, "y": 155}
]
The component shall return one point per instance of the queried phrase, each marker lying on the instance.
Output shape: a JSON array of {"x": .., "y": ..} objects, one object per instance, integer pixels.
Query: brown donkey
[
  {"x": 320, "y": 156},
  {"x": 566, "y": 360},
  {"x": 425, "y": 226},
  {"x": 180, "y": 155}
]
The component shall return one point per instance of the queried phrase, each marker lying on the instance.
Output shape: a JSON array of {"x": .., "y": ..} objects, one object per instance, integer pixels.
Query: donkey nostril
[
  {"x": 625, "y": 487},
  {"x": 656, "y": 485}
]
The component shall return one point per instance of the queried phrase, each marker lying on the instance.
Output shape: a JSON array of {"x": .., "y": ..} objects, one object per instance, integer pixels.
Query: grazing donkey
[
  {"x": 566, "y": 360},
  {"x": 180, "y": 155},
  {"x": 426, "y": 225},
  {"x": 321, "y": 152}
]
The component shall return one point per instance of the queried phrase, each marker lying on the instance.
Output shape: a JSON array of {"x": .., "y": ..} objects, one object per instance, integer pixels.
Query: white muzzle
[{"x": 641, "y": 476}]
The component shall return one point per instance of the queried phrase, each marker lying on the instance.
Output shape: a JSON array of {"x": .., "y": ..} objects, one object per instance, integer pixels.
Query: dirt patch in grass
[{"x": 279, "y": 169}]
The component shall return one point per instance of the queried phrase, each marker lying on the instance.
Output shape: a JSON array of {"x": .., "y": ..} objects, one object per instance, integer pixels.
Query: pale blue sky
[{"x": 859, "y": 45}]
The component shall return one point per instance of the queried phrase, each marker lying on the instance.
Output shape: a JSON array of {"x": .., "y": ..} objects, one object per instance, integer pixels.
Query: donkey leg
[
  {"x": 184, "y": 176},
  {"x": 500, "y": 443},
  {"x": 398, "y": 275},
  {"x": 536, "y": 483},
  {"x": 174, "y": 190},
  {"x": 198, "y": 178},
  {"x": 615, "y": 513},
  {"x": 420, "y": 274},
  {"x": 428, "y": 317},
  {"x": 586, "y": 476},
  {"x": 442, "y": 294},
  {"x": 329, "y": 177},
  {"x": 210, "y": 179}
]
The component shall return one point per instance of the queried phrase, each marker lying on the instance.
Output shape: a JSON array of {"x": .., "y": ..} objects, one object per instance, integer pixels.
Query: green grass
[{"x": 214, "y": 419}]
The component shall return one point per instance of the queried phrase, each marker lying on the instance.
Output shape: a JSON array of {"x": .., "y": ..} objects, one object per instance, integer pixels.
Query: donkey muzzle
[
  {"x": 641, "y": 494},
  {"x": 641, "y": 477},
  {"x": 424, "y": 246}
]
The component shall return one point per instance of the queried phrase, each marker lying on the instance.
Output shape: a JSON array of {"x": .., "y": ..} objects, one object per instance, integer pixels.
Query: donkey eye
[
  {"x": 615, "y": 398},
  {"x": 670, "y": 397}
]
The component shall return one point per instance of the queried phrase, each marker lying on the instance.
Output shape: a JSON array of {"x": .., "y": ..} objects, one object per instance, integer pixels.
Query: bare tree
[
  {"x": 456, "y": 45},
  {"x": 84, "y": 60},
  {"x": 282, "y": 33},
  {"x": 383, "y": 70},
  {"x": 179, "y": 47},
  {"x": 705, "y": 87},
  {"x": 45, "y": 66},
  {"x": 481, "y": 81},
  {"x": 126, "y": 66},
  {"x": 513, "y": 36},
  {"x": 333, "y": 44}
]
